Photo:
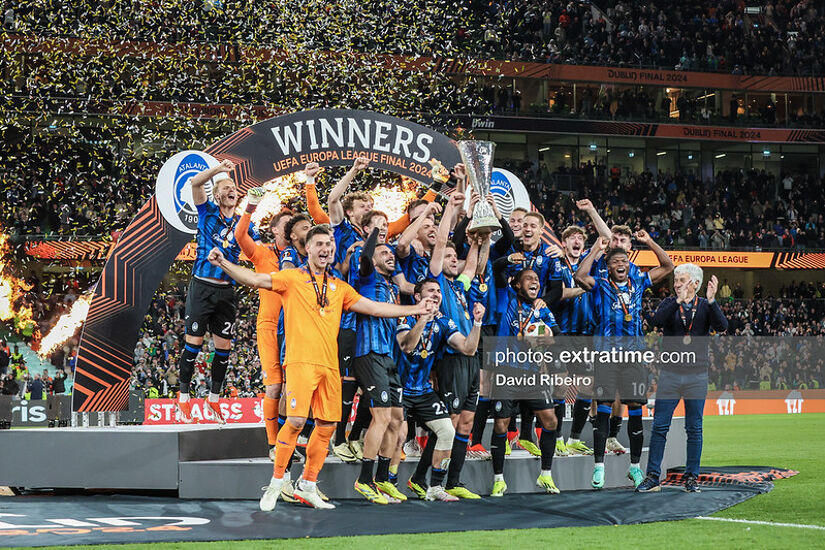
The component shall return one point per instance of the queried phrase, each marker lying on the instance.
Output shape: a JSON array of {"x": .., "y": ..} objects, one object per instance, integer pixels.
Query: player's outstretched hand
[
  {"x": 539, "y": 304},
  {"x": 478, "y": 312},
  {"x": 256, "y": 195},
  {"x": 601, "y": 244},
  {"x": 215, "y": 256}
]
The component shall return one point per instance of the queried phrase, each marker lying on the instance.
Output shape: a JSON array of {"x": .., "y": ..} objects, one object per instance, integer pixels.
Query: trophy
[{"x": 477, "y": 157}]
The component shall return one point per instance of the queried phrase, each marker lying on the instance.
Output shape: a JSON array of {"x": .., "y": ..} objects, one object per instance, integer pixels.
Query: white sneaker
[
  {"x": 613, "y": 445},
  {"x": 288, "y": 489},
  {"x": 270, "y": 496},
  {"x": 439, "y": 493},
  {"x": 309, "y": 496},
  {"x": 411, "y": 448}
]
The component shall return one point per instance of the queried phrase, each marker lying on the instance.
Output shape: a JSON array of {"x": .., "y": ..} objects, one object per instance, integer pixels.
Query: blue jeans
[{"x": 673, "y": 385}]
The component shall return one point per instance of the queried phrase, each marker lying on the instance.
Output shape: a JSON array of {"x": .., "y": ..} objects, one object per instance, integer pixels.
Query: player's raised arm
[
  {"x": 334, "y": 206},
  {"x": 665, "y": 266},
  {"x": 587, "y": 207},
  {"x": 240, "y": 274},
  {"x": 402, "y": 249},
  {"x": 443, "y": 234},
  {"x": 582, "y": 276},
  {"x": 311, "y": 193},
  {"x": 199, "y": 180},
  {"x": 248, "y": 246}
]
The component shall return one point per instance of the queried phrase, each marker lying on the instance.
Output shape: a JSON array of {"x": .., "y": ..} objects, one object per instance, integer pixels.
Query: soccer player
[
  {"x": 686, "y": 316},
  {"x": 266, "y": 260},
  {"x": 415, "y": 246},
  {"x": 376, "y": 371},
  {"x": 295, "y": 231},
  {"x": 617, "y": 301},
  {"x": 620, "y": 237},
  {"x": 421, "y": 339},
  {"x": 458, "y": 374},
  {"x": 574, "y": 313},
  {"x": 523, "y": 311},
  {"x": 211, "y": 301},
  {"x": 313, "y": 302},
  {"x": 483, "y": 290},
  {"x": 535, "y": 255}
]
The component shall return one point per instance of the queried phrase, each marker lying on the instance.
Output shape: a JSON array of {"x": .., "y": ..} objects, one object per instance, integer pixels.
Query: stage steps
[{"x": 209, "y": 462}]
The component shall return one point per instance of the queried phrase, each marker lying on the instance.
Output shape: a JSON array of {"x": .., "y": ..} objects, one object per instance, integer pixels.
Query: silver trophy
[{"x": 477, "y": 157}]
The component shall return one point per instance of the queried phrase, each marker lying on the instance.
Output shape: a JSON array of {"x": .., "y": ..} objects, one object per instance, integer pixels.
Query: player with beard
[
  {"x": 420, "y": 340},
  {"x": 617, "y": 302},
  {"x": 347, "y": 215},
  {"x": 295, "y": 232},
  {"x": 313, "y": 301},
  {"x": 415, "y": 246},
  {"x": 376, "y": 371},
  {"x": 211, "y": 301},
  {"x": 351, "y": 448},
  {"x": 266, "y": 260},
  {"x": 574, "y": 313},
  {"x": 458, "y": 374},
  {"x": 523, "y": 316}
]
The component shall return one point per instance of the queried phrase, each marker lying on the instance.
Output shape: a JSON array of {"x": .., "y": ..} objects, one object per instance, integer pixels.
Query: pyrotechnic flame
[
  {"x": 11, "y": 290},
  {"x": 279, "y": 192},
  {"x": 393, "y": 201},
  {"x": 66, "y": 326}
]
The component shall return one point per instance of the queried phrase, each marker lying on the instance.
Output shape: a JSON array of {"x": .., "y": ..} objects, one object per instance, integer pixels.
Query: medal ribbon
[
  {"x": 425, "y": 340},
  {"x": 619, "y": 293},
  {"x": 522, "y": 322},
  {"x": 320, "y": 296},
  {"x": 229, "y": 228},
  {"x": 692, "y": 316}
]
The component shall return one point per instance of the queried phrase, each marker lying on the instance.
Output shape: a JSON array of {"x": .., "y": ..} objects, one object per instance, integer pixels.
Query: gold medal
[
  {"x": 628, "y": 317},
  {"x": 225, "y": 243},
  {"x": 322, "y": 312},
  {"x": 520, "y": 336},
  {"x": 686, "y": 339},
  {"x": 466, "y": 314},
  {"x": 424, "y": 354},
  {"x": 483, "y": 287}
]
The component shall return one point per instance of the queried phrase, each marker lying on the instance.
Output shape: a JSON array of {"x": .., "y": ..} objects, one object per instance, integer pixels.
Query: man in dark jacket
[{"x": 685, "y": 317}]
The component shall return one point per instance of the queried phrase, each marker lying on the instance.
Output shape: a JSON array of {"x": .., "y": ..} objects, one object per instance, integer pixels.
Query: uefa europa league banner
[
  {"x": 167, "y": 222},
  {"x": 269, "y": 149}
]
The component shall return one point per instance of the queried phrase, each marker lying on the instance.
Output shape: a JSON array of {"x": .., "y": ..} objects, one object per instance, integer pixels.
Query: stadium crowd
[
  {"x": 63, "y": 186},
  {"x": 709, "y": 35}
]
